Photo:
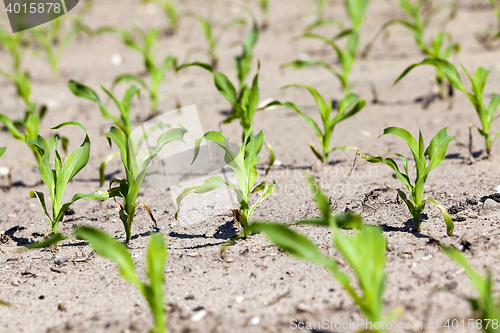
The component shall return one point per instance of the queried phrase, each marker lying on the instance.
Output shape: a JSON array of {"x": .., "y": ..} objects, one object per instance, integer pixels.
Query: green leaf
[
  {"x": 365, "y": 252},
  {"x": 131, "y": 78},
  {"x": 108, "y": 247},
  {"x": 102, "y": 176},
  {"x": 41, "y": 199},
  {"x": 294, "y": 107},
  {"x": 437, "y": 149},
  {"x": 75, "y": 162},
  {"x": 492, "y": 107},
  {"x": 252, "y": 150},
  {"x": 2, "y": 151},
  {"x": 448, "y": 69},
  {"x": 268, "y": 189},
  {"x": 447, "y": 218},
  {"x": 155, "y": 262},
  {"x": 410, "y": 141},
  {"x": 51, "y": 240},
  {"x": 480, "y": 283},
  {"x": 392, "y": 164},
  {"x": 319, "y": 196},
  {"x": 271, "y": 156},
  {"x": 172, "y": 135}
]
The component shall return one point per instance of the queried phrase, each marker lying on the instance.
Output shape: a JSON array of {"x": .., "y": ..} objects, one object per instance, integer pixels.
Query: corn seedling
[
  {"x": 243, "y": 98},
  {"x": 27, "y": 127},
  {"x": 171, "y": 12},
  {"x": 418, "y": 17},
  {"x": 347, "y": 107},
  {"x": 244, "y": 165},
  {"x": 123, "y": 122},
  {"x": 108, "y": 247},
  {"x": 485, "y": 113},
  {"x": 57, "y": 179},
  {"x": 2, "y": 151},
  {"x": 214, "y": 38},
  {"x": 486, "y": 308},
  {"x": 53, "y": 40},
  {"x": 355, "y": 11},
  {"x": 156, "y": 72},
  {"x": 491, "y": 35},
  {"x": 264, "y": 8},
  {"x": 135, "y": 171},
  {"x": 365, "y": 252},
  {"x": 436, "y": 152},
  {"x": 15, "y": 44}
]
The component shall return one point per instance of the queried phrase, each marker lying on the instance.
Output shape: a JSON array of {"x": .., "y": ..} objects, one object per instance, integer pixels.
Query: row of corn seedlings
[{"x": 365, "y": 249}]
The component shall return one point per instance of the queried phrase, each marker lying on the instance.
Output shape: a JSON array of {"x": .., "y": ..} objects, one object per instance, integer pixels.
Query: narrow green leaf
[
  {"x": 108, "y": 247},
  {"x": 447, "y": 218}
]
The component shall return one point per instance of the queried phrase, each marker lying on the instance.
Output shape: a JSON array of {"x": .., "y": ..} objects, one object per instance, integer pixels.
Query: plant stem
[{"x": 416, "y": 219}]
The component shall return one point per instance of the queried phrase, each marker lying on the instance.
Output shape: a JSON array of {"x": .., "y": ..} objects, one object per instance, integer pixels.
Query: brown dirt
[{"x": 91, "y": 297}]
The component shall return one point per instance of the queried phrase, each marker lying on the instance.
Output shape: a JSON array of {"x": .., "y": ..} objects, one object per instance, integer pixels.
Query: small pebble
[
  {"x": 41, "y": 297},
  {"x": 239, "y": 299},
  {"x": 117, "y": 60},
  {"x": 230, "y": 260},
  {"x": 255, "y": 321},
  {"x": 199, "y": 316},
  {"x": 192, "y": 254}
]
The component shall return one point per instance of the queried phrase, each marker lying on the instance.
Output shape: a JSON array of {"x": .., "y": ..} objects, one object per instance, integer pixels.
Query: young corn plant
[
  {"x": 244, "y": 165},
  {"x": 156, "y": 72},
  {"x": 213, "y": 38},
  {"x": 347, "y": 107},
  {"x": 2, "y": 151},
  {"x": 53, "y": 40},
  {"x": 57, "y": 179},
  {"x": 486, "y": 308},
  {"x": 355, "y": 11},
  {"x": 171, "y": 12},
  {"x": 123, "y": 122},
  {"x": 28, "y": 126},
  {"x": 264, "y": 8},
  {"x": 365, "y": 252},
  {"x": 486, "y": 113},
  {"x": 243, "y": 98},
  {"x": 16, "y": 45},
  {"x": 488, "y": 37},
  {"x": 135, "y": 171},
  {"x": 436, "y": 152},
  {"x": 418, "y": 17},
  {"x": 108, "y": 247}
]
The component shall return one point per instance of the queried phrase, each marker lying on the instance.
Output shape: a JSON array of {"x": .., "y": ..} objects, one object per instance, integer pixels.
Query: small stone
[
  {"x": 173, "y": 224},
  {"x": 428, "y": 255},
  {"x": 41, "y": 297},
  {"x": 254, "y": 321},
  {"x": 11, "y": 215},
  {"x": 117, "y": 59},
  {"x": 61, "y": 307},
  {"x": 239, "y": 299},
  {"x": 199, "y": 316},
  {"x": 230, "y": 260},
  {"x": 302, "y": 307},
  {"x": 193, "y": 254},
  {"x": 410, "y": 249}
]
